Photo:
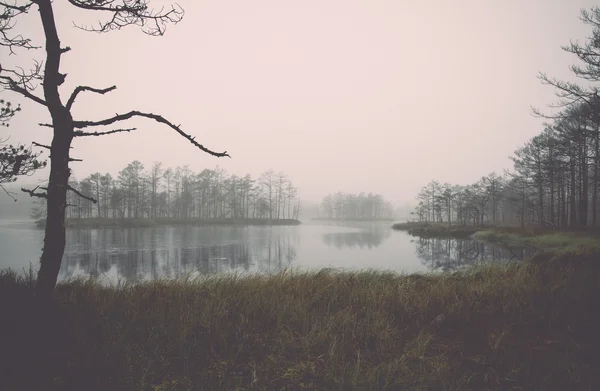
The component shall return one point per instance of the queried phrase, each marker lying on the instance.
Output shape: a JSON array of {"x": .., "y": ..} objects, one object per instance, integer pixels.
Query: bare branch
[
  {"x": 8, "y": 193},
  {"x": 130, "y": 12},
  {"x": 8, "y": 17},
  {"x": 86, "y": 88},
  {"x": 32, "y": 193},
  {"x": 79, "y": 133},
  {"x": 71, "y": 159},
  {"x": 81, "y": 194},
  {"x": 157, "y": 118},
  {"x": 40, "y": 145},
  {"x": 13, "y": 86}
]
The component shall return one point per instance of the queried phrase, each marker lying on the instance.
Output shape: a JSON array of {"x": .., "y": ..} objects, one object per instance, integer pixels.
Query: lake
[{"x": 137, "y": 254}]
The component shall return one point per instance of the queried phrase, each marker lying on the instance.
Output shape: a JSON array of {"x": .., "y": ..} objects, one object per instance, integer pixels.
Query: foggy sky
[{"x": 346, "y": 95}]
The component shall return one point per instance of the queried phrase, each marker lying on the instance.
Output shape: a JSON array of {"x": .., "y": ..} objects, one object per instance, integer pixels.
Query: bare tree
[{"x": 117, "y": 14}]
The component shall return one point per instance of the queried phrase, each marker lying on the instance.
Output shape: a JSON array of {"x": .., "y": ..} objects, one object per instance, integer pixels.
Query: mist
[{"x": 341, "y": 95}]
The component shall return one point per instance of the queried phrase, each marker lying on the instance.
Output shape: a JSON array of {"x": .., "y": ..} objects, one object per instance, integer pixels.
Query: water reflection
[
  {"x": 369, "y": 238},
  {"x": 137, "y": 254},
  {"x": 453, "y": 254}
]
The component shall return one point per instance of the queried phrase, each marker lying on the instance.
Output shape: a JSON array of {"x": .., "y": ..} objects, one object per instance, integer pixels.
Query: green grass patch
[{"x": 530, "y": 326}]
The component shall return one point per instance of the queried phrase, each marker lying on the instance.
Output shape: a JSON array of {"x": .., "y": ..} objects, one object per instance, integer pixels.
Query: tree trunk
[
  {"x": 583, "y": 195},
  {"x": 55, "y": 235},
  {"x": 595, "y": 190}
]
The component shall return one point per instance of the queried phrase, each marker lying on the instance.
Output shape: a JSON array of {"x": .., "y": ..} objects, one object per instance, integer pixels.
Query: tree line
[
  {"x": 179, "y": 193},
  {"x": 555, "y": 178},
  {"x": 28, "y": 73},
  {"x": 554, "y": 181},
  {"x": 346, "y": 206}
]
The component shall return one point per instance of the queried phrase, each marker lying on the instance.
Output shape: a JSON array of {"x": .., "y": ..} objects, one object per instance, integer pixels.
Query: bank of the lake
[
  {"x": 527, "y": 326},
  {"x": 515, "y": 236},
  {"x": 436, "y": 230},
  {"x": 147, "y": 222},
  {"x": 352, "y": 220}
]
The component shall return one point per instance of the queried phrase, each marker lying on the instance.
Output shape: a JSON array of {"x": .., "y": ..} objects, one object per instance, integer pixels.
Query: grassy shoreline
[
  {"x": 140, "y": 223},
  {"x": 528, "y": 326},
  {"x": 516, "y": 236},
  {"x": 436, "y": 230}
]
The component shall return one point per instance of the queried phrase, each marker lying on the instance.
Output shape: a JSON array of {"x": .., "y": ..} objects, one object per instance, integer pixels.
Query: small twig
[
  {"x": 79, "y": 133},
  {"x": 40, "y": 145},
  {"x": 8, "y": 193},
  {"x": 46, "y": 125}
]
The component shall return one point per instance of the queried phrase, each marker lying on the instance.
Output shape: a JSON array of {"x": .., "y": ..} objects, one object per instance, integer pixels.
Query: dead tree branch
[
  {"x": 14, "y": 86},
  {"x": 155, "y": 117},
  {"x": 32, "y": 193},
  {"x": 8, "y": 193},
  {"x": 79, "y": 133},
  {"x": 130, "y": 12},
  {"x": 40, "y": 145},
  {"x": 86, "y": 88},
  {"x": 80, "y": 194}
]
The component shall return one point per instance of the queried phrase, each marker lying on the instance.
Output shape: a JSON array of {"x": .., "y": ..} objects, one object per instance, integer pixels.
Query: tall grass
[
  {"x": 548, "y": 240},
  {"x": 529, "y": 327}
]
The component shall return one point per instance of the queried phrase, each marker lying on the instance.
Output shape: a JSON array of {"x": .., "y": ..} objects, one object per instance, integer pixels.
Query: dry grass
[{"x": 527, "y": 327}]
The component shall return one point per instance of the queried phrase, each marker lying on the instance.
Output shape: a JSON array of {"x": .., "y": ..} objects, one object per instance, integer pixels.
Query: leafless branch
[
  {"x": 8, "y": 193},
  {"x": 130, "y": 12},
  {"x": 72, "y": 159},
  {"x": 23, "y": 82},
  {"x": 8, "y": 17},
  {"x": 46, "y": 125},
  {"x": 32, "y": 193},
  {"x": 79, "y": 133},
  {"x": 86, "y": 88},
  {"x": 40, "y": 145},
  {"x": 81, "y": 194},
  {"x": 157, "y": 118}
]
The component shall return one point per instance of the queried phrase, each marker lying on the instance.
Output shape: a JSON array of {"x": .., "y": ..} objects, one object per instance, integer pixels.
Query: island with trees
[
  {"x": 140, "y": 196},
  {"x": 355, "y": 207}
]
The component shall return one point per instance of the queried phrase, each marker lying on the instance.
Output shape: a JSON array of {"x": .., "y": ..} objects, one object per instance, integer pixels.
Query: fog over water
[
  {"x": 352, "y": 96},
  {"x": 138, "y": 254}
]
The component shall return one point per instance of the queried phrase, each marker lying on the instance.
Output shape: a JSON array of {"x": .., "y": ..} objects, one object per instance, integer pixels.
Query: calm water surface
[{"x": 136, "y": 254}]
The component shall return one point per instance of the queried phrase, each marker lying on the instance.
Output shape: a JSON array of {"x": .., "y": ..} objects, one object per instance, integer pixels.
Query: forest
[
  {"x": 555, "y": 177},
  {"x": 347, "y": 206},
  {"x": 166, "y": 193},
  {"x": 553, "y": 182}
]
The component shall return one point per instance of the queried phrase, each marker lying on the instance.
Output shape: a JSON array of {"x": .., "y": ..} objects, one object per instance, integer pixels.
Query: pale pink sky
[{"x": 346, "y": 95}]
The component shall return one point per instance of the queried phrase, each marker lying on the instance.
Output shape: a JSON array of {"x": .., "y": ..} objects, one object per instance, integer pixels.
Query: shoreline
[
  {"x": 539, "y": 238},
  {"x": 386, "y": 220},
  {"x": 145, "y": 223},
  {"x": 467, "y": 329}
]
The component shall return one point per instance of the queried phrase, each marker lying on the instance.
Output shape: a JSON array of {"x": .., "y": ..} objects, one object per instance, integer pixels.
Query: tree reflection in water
[
  {"x": 365, "y": 238},
  {"x": 453, "y": 254},
  {"x": 137, "y": 254}
]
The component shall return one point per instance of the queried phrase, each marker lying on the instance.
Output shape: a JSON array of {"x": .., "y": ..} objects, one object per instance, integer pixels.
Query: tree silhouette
[{"x": 117, "y": 14}]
